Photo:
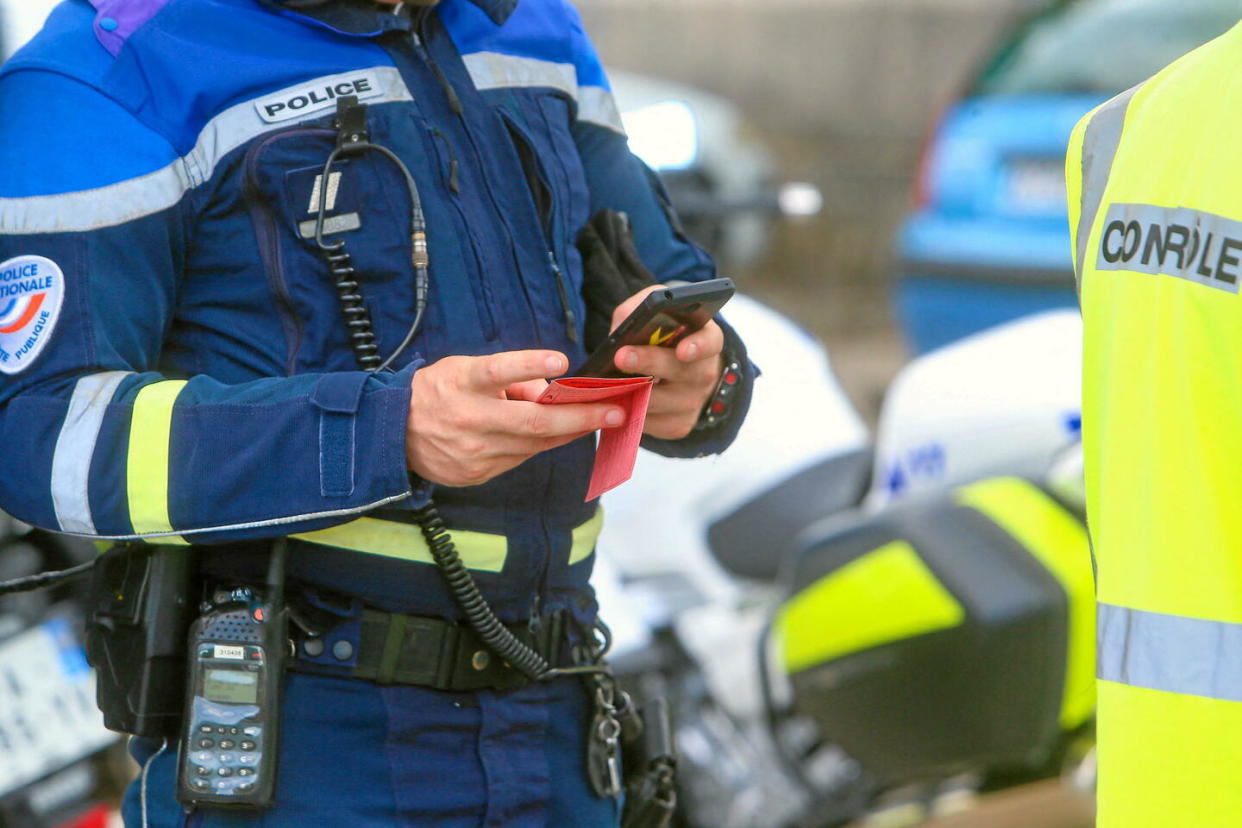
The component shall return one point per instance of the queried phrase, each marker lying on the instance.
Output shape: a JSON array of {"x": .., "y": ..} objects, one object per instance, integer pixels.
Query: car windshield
[{"x": 1103, "y": 46}]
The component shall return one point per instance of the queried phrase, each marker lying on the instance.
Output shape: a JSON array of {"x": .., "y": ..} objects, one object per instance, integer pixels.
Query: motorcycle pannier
[{"x": 951, "y": 634}]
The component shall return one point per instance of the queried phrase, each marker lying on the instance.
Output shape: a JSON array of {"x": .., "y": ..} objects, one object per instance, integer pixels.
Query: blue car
[{"x": 987, "y": 240}]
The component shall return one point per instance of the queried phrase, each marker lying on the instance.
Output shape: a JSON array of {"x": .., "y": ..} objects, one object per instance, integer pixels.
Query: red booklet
[{"x": 618, "y": 447}]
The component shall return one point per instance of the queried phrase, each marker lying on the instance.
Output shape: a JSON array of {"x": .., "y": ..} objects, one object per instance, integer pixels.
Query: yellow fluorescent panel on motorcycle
[
  {"x": 1059, "y": 542},
  {"x": 886, "y": 595}
]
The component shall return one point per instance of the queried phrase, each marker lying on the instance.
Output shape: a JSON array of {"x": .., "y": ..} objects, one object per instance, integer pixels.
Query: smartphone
[{"x": 664, "y": 318}]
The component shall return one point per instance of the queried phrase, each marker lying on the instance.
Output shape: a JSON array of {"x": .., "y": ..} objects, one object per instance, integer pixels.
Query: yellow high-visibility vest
[{"x": 1155, "y": 194}]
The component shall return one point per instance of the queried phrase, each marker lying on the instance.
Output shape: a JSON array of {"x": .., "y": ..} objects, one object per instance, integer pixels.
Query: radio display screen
[{"x": 231, "y": 686}]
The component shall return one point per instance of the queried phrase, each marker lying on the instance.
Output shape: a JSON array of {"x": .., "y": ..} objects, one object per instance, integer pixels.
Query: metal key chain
[{"x": 604, "y": 743}]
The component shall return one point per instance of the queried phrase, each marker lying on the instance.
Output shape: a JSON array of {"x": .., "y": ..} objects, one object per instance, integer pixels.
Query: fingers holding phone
[
  {"x": 683, "y": 386},
  {"x": 677, "y": 317},
  {"x": 473, "y": 418},
  {"x": 687, "y": 373},
  {"x": 681, "y": 363}
]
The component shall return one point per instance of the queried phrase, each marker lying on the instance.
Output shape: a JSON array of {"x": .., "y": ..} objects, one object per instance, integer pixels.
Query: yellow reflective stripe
[
  {"x": 147, "y": 461},
  {"x": 887, "y": 595},
  {"x": 392, "y": 539},
  {"x": 1058, "y": 540},
  {"x": 479, "y": 550},
  {"x": 585, "y": 536}
]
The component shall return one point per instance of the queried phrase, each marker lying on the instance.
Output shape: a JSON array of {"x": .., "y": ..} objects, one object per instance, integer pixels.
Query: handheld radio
[{"x": 237, "y": 654}]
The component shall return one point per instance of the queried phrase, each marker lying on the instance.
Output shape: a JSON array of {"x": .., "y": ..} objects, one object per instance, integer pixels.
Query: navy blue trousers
[{"x": 359, "y": 755}]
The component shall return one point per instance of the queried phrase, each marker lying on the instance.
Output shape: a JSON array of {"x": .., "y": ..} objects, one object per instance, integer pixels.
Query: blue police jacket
[{"x": 175, "y": 365}]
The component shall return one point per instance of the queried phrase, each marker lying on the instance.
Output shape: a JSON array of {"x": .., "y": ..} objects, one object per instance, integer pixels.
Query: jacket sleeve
[
  {"x": 101, "y": 443},
  {"x": 619, "y": 180}
]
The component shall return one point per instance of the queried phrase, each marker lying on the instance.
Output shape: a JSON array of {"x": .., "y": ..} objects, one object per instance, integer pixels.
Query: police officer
[
  {"x": 177, "y": 366},
  {"x": 1155, "y": 195}
]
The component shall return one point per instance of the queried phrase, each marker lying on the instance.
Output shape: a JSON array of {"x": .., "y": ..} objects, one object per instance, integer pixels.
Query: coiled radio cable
[{"x": 354, "y": 140}]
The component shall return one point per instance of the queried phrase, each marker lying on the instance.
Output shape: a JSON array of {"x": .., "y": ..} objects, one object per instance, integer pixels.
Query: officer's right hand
[{"x": 472, "y": 418}]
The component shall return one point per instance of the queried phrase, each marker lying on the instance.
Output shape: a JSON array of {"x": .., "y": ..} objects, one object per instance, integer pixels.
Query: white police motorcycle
[
  {"x": 847, "y": 626},
  {"x": 58, "y": 764}
]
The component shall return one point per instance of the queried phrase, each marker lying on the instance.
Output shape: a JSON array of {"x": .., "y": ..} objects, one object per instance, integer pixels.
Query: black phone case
[{"x": 663, "y": 318}]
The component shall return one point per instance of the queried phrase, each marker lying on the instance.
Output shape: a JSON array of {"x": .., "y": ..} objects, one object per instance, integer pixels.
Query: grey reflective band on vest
[
  {"x": 1099, "y": 148},
  {"x": 1172, "y": 653},
  {"x": 161, "y": 189},
  {"x": 1199, "y": 247},
  {"x": 71, "y": 461}
]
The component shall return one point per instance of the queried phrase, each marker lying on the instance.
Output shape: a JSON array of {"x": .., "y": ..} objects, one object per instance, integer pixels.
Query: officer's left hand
[{"x": 685, "y": 376}]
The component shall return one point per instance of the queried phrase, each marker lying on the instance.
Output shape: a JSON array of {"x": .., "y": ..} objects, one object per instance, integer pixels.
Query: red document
[{"x": 618, "y": 447}]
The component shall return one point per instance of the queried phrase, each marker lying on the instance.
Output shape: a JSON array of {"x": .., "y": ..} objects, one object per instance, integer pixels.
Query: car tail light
[
  {"x": 921, "y": 192},
  {"x": 97, "y": 817}
]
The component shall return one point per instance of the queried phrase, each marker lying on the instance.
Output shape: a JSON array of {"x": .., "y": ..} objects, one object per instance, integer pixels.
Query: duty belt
[{"x": 394, "y": 648}]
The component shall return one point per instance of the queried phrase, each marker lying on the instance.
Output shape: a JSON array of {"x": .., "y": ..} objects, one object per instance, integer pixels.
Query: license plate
[
  {"x": 48, "y": 717},
  {"x": 1037, "y": 184}
]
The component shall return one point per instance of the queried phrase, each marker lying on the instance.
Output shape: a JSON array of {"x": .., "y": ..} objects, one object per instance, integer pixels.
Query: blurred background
[
  {"x": 946, "y": 109},
  {"x": 843, "y": 94},
  {"x": 877, "y": 608}
]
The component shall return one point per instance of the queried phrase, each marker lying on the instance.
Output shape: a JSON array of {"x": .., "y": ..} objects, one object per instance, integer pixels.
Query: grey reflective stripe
[
  {"x": 71, "y": 461},
  {"x": 1204, "y": 248},
  {"x": 148, "y": 194},
  {"x": 260, "y": 524},
  {"x": 1099, "y": 148},
  {"x": 492, "y": 70},
  {"x": 596, "y": 105},
  {"x": 1173, "y": 653},
  {"x": 95, "y": 209}
]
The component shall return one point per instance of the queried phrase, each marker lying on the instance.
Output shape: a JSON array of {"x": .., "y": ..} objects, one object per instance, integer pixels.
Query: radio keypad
[{"x": 232, "y": 771}]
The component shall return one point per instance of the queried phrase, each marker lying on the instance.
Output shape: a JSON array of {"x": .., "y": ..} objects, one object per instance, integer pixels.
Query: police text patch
[
  {"x": 1172, "y": 241},
  {"x": 317, "y": 96},
  {"x": 32, "y": 289}
]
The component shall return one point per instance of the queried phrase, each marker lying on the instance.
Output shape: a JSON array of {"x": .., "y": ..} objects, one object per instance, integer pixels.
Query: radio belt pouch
[{"x": 394, "y": 648}]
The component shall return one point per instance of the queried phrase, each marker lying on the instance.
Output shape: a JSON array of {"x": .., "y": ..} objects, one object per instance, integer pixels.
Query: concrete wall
[{"x": 866, "y": 68}]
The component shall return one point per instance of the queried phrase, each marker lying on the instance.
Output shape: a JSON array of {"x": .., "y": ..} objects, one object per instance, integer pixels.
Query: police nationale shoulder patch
[{"x": 32, "y": 290}]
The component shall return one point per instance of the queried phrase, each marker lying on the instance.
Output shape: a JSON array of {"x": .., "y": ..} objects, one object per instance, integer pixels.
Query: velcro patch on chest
[
  {"x": 32, "y": 290},
  {"x": 317, "y": 96}
]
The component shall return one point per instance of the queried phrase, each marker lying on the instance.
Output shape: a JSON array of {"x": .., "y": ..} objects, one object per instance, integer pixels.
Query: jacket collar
[
  {"x": 351, "y": 17},
  {"x": 498, "y": 10}
]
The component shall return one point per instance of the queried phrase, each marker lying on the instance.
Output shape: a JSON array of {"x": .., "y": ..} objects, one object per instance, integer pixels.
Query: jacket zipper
[
  {"x": 482, "y": 289},
  {"x": 453, "y": 183},
  {"x": 418, "y": 41},
  {"x": 269, "y": 243},
  {"x": 478, "y": 284},
  {"x": 545, "y": 206}
]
